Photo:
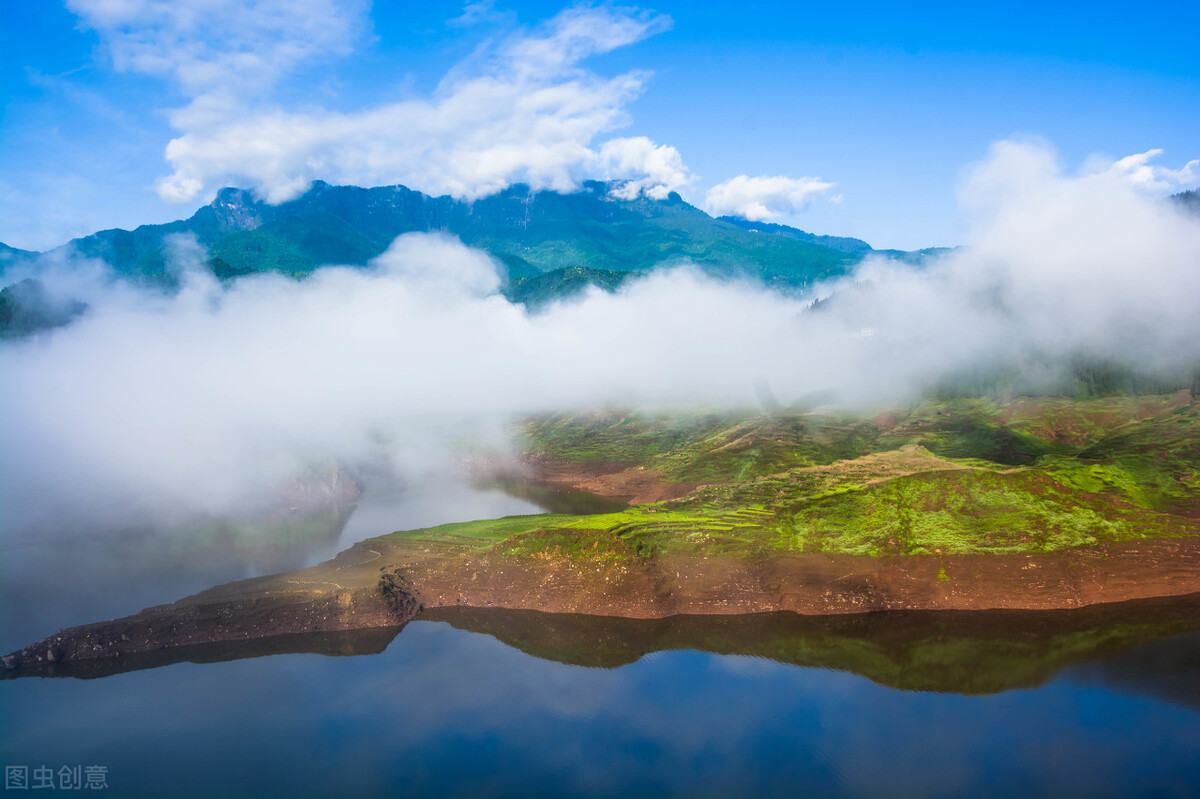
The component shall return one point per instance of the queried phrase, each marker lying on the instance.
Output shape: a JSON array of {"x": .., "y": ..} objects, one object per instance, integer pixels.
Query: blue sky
[{"x": 851, "y": 118}]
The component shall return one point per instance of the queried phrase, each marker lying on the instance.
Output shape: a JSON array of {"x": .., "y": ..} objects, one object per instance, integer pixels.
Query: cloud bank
[
  {"x": 521, "y": 109},
  {"x": 201, "y": 400},
  {"x": 642, "y": 167},
  {"x": 763, "y": 198}
]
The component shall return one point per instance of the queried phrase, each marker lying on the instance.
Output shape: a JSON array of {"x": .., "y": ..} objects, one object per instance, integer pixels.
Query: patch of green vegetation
[
  {"x": 537, "y": 291},
  {"x": 970, "y": 438},
  {"x": 964, "y": 428},
  {"x": 1069, "y": 426},
  {"x": 701, "y": 448},
  {"x": 763, "y": 445},
  {"x": 613, "y": 436},
  {"x": 732, "y": 447},
  {"x": 1137, "y": 480},
  {"x": 1044, "y": 425},
  {"x": 936, "y": 479},
  {"x": 1154, "y": 462},
  {"x": 970, "y": 512},
  {"x": 572, "y": 543},
  {"x": 945, "y": 512}
]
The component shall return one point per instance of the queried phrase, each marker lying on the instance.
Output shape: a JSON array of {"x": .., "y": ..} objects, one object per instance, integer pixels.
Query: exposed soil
[
  {"x": 635, "y": 484},
  {"x": 816, "y": 584}
]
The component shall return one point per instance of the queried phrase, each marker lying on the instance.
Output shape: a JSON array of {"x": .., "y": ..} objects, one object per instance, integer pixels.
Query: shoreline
[{"x": 380, "y": 584}]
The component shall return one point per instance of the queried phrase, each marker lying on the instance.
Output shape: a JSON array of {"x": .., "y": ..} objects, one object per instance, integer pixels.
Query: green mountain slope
[{"x": 539, "y": 290}]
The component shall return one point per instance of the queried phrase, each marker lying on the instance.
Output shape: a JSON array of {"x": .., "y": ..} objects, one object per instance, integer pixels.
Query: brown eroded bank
[{"x": 383, "y": 583}]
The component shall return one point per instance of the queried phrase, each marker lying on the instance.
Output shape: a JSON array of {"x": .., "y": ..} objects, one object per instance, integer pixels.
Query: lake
[{"x": 481, "y": 702}]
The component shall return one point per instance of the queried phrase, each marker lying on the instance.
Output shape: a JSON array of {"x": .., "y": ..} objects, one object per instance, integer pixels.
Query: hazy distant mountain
[
  {"x": 26, "y": 307},
  {"x": 915, "y": 256},
  {"x": 10, "y": 254},
  {"x": 1189, "y": 200},
  {"x": 851, "y": 246},
  {"x": 553, "y": 245},
  {"x": 840, "y": 243}
]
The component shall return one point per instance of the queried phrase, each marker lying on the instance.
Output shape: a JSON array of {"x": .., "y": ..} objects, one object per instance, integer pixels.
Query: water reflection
[
  {"x": 962, "y": 652},
  {"x": 1168, "y": 669},
  {"x": 446, "y": 712},
  {"x": 959, "y": 652}
]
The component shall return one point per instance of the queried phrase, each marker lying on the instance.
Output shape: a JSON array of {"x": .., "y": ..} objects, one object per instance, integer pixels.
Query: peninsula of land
[{"x": 952, "y": 505}]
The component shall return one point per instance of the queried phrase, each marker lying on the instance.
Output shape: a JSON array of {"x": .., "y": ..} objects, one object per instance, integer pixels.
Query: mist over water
[
  {"x": 211, "y": 400},
  {"x": 59, "y": 578}
]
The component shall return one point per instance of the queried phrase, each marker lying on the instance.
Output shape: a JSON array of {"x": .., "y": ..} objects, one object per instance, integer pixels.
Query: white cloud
[
  {"x": 573, "y": 35},
  {"x": 762, "y": 198},
  {"x": 477, "y": 13},
  {"x": 642, "y": 167},
  {"x": 221, "y": 52},
  {"x": 486, "y": 135},
  {"x": 521, "y": 109},
  {"x": 1151, "y": 177}
]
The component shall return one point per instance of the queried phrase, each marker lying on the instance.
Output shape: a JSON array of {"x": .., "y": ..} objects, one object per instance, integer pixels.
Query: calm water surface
[{"x": 449, "y": 709}]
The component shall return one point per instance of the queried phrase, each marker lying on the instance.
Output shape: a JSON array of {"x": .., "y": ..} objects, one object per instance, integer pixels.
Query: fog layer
[{"x": 203, "y": 400}]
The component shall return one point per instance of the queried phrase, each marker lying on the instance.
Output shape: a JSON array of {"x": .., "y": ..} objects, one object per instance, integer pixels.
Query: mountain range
[{"x": 551, "y": 244}]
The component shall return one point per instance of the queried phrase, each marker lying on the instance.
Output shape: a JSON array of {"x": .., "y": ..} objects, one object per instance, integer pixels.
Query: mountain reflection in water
[
  {"x": 946, "y": 652},
  {"x": 1150, "y": 642}
]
